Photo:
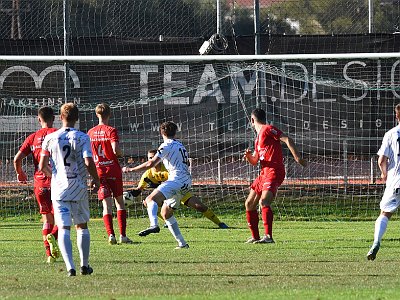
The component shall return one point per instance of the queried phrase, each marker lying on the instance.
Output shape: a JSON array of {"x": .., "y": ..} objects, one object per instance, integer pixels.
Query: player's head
[
  {"x": 151, "y": 153},
  {"x": 258, "y": 115},
  {"x": 46, "y": 114},
  {"x": 103, "y": 110},
  {"x": 397, "y": 112},
  {"x": 168, "y": 129},
  {"x": 69, "y": 112}
]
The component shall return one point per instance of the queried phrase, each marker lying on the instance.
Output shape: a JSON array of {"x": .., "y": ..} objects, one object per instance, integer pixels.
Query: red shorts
[
  {"x": 269, "y": 180},
  {"x": 110, "y": 187},
  {"x": 43, "y": 198}
]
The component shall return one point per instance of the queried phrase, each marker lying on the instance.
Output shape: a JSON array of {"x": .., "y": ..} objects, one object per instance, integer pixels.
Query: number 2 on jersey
[{"x": 67, "y": 150}]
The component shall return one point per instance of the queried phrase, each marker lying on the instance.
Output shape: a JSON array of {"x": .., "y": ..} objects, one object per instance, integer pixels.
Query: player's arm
[
  {"x": 117, "y": 149},
  {"x": 44, "y": 163},
  {"x": 144, "y": 166},
  {"x": 115, "y": 143},
  {"x": 21, "y": 175},
  {"x": 252, "y": 158},
  {"x": 383, "y": 166},
  {"x": 293, "y": 149},
  {"x": 91, "y": 167}
]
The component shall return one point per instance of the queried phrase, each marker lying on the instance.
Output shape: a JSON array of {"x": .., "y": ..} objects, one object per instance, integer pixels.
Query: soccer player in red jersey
[
  {"x": 105, "y": 147},
  {"x": 41, "y": 183},
  {"x": 268, "y": 150}
]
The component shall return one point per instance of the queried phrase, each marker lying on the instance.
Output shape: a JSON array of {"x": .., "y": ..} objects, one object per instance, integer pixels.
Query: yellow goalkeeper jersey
[{"x": 152, "y": 178}]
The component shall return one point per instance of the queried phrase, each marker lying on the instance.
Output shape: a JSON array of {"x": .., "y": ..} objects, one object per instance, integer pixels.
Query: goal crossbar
[{"x": 196, "y": 58}]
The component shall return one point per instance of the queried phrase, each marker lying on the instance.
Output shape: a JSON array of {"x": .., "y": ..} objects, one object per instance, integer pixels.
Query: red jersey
[
  {"x": 101, "y": 137},
  {"x": 269, "y": 148},
  {"x": 33, "y": 145}
]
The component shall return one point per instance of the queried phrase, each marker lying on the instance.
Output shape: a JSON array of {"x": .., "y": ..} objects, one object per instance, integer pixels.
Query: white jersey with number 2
[{"x": 67, "y": 148}]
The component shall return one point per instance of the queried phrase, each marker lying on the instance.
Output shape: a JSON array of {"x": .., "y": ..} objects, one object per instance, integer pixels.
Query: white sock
[
  {"x": 65, "y": 245},
  {"x": 152, "y": 209},
  {"x": 83, "y": 243},
  {"x": 174, "y": 229},
  {"x": 380, "y": 228}
]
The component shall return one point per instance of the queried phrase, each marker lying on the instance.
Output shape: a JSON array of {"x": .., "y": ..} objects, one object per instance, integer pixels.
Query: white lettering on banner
[
  {"x": 283, "y": 81},
  {"x": 320, "y": 81},
  {"x": 144, "y": 71},
  {"x": 134, "y": 126},
  {"x": 355, "y": 81},
  {"x": 238, "y": 79},
  {"x": 38, "y": 79},
  {"x": 22, "y": 102},
  {"x": 169, "y": 84},
  {"x": 155, "y": 127},
  {"x": 208, "y": 77},
  {"x": 174, "y": 83},
  {"x": 393, "y": 80}
]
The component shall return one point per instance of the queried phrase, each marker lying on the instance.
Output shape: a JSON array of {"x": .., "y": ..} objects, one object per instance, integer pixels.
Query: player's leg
[
  {"x": 388, "y": 205},
  {"x": 194, "y": 202},
  {"x": 105, "y": 195},
  {"x": 62, "y": 214},
  {"x": 167, "y": 212},
  {"x": 122, "y": 217},
  {"x": 153, "y": 202},
  {"x": 267, "y": 215},
  {"x": 270, "y": 185},
  {"x": 380, "y": 229},
  {"x": 116, "y": 186},
  {"x": 51, "y": 237},
  {"x": 43, "y": 198},
  {"x": 252, "y": 216},
  {"x": 81, "y": 214}
]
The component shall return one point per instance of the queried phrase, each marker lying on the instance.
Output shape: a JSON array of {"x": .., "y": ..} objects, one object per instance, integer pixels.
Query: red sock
[
  {"x": 121, "y": 217},
  {"x": 268, "y": 218},
  {"x": 252, "y": 221},
  {"x": 55, "y": 231},
  {"x": 108, "y": 223},
  {"x": 47, "y": 227}
]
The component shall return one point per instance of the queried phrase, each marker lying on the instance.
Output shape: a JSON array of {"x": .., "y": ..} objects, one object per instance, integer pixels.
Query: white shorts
[
  {"x": 173, "y": 192},
  {"x": 66, "y": 211},
  {"x": 390, "y": 200}
]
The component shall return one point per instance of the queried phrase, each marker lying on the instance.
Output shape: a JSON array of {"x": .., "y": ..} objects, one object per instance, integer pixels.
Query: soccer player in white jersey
[
  {"x": 169, "y": 193},
  {"x": 70, "y": 154},
  {"x": 389, "y": 164}
]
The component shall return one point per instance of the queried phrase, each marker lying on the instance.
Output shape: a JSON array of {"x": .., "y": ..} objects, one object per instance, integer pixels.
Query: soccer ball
[{"x": 128, "y": 198}]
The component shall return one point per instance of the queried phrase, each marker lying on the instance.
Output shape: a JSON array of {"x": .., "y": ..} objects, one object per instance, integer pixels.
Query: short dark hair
[
  {"x": 46, "y": 113},
  {"x": 152, "y": 151},
  {"x": 260, "y": 115},
  {"x": 70, "y": 112},
  {"x": 168, "y": 129}
]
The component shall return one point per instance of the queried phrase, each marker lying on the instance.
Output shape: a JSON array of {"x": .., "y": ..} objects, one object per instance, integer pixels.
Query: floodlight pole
[
  {"x": 218, "y": 16},
  {"x": 370, "y": 16},
  {"x": 66, "y": 46},
  {"x": 257, "y": 50}
]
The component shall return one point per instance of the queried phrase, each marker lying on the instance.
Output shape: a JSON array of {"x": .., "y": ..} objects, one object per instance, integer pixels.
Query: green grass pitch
[{"x": 310, "y": 260}]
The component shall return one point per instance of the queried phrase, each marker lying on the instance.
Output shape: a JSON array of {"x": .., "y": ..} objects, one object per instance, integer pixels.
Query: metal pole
[
  {"x": 257, "y": 48},
  {"x": 370, "y": 16},
  {"x": 345, "y": 163},
  {"x": 218, "y": 16},
  {"x": 65, "y": 48},
  {"x": 372, "y": 171}
]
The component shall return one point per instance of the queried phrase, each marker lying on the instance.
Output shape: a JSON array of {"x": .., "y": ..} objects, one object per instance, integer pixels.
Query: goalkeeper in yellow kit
[{"x": 153, "y": 177}]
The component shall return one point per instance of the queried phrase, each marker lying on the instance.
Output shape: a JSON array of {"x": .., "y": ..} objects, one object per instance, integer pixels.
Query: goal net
[{"x": 335, "y": 107}]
